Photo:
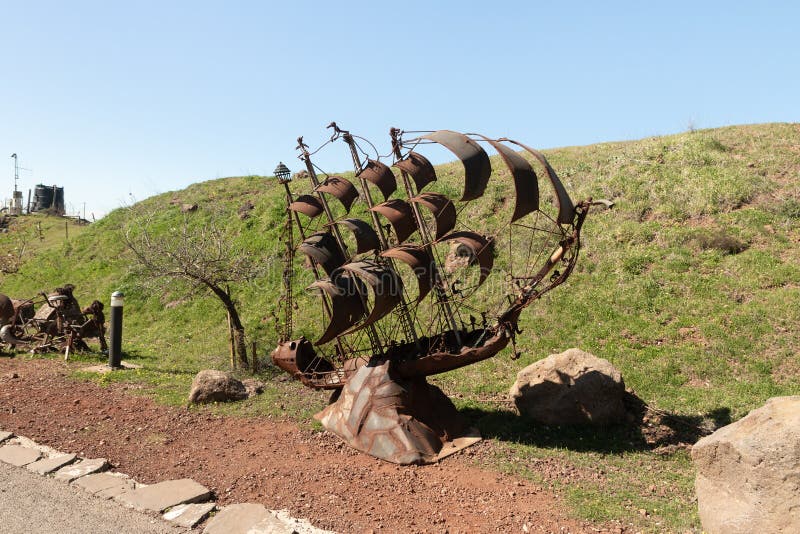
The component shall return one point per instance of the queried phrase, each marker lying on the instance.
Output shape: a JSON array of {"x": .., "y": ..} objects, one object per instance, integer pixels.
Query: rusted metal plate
[
  {"x": 526, "y": 184},
  {"x": 341, "y": 189},
  {"x": 441, "y": 362},
  {"x": 382, "y": 176},
  {"x": 323, "y": 249},
  {"x": 443, "y": 209},
  {"x": 477, "y": 167},
  {"x": 347, "y": 307},
  {"x": 566, "y": 209},
  {"x": 307, "y": 205},
  {"x": 420, "y": 261},
  {"x": 366, "y": 237},
  {"x": 401, "y": 216},
  {"x": 481, "y": 247},
  {"x": 6, "y": 310},
  {"x": 405, "y": 421},
  {"x": 419, "y": 168},
  {"x": 298, "y": 356},
  {"x": 386, "y": 285}
]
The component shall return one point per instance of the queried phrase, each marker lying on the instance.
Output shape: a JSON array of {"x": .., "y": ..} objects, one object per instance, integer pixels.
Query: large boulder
[
  {"x": 571, "y": 388},
  {"x": 748, "y": 473},
  {"x": 216, "y": 386}
]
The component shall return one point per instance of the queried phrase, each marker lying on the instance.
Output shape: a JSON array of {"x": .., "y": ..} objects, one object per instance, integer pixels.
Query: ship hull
[{"x": 298, "y": 358}]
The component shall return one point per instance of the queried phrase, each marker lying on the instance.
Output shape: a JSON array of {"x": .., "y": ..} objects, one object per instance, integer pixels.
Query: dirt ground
[{"x": 271, "y": 461}]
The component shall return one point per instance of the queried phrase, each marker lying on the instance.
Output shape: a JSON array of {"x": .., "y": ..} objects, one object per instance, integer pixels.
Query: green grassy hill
[{"x": 690, "y": 286}]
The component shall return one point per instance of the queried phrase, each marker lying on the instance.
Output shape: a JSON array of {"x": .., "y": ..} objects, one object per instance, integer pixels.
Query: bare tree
[{"x": 201, "y": 253}]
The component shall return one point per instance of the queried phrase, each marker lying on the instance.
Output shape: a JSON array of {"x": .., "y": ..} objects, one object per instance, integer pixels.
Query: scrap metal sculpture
[
  {"x": 381, "y": 334},
  {"x": 58, "y": 325}
]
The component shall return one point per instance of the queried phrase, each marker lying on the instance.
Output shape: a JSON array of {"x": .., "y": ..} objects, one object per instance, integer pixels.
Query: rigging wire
[
  {"x": 377, "y": 154},
  {"x": 320, "y": 147}
]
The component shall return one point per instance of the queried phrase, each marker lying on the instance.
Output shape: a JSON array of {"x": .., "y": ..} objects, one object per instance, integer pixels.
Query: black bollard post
[{"x": 115, "y": 345}]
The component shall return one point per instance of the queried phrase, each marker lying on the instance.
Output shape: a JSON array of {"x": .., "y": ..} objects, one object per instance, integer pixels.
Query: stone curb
[
  {"x": 50, "y": 464},
  {"x": 182, "y": 502},
  {"x": 18, "y": 456}
]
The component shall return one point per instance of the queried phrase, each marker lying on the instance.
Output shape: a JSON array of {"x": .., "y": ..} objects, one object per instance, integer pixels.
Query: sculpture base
[{"x": 404, "y": 421}]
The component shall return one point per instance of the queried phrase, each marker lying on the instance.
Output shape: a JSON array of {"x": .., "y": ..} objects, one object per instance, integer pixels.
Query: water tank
[
  {"x": 42, "y": 197},
  {"x": 58, "y": 200},
  {"x": 48, "y": 197}
]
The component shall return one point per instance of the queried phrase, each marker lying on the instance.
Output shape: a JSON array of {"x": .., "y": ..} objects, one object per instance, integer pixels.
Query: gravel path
[{"x": 40, "y": 505}]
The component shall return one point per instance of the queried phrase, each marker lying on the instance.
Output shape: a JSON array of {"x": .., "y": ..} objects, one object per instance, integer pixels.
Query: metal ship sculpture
[{"x": 413, "y": 281}]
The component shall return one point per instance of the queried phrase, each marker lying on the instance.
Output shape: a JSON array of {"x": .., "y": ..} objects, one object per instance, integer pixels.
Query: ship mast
[
  {"x": 372, "y": 334},
  {"x": 403, "y": 313},
  {"x": 282, "y": 173},
  {"x": 441, "y": 294}
]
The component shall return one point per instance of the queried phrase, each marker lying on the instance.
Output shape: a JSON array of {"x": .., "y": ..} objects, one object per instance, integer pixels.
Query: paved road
[{"x": 32, "y": 504}]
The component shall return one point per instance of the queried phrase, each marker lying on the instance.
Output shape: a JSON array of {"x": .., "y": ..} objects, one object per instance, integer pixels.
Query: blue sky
[{"x": 117, "y": 101}]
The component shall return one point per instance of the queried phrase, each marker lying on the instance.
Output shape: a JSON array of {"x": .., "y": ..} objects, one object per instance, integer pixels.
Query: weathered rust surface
[
  {"x": 58, "y": 324},
  {"x": 340, "y": 188},
  {"x": 323, "y": 248},
  {"x": 400, "y": 215},
  {"x": 566, "y": 208},
  {"x": 403, "y": 421},
  {"x": 443, "y": 209},
  {"x": 308, "y": 205},
  {"x": 382, "y": 176},
  {"x": 366, "y": 237},
  {"x": 526, "y": 185},
  {"x": 477, "y": 167},
  {"x": 386, "y": 286},
  {"x": 419, "y": 168},
  {"x": 420, "y": 261},
  {"x": 6, "y": 310},
  {"x": 298, "y": 358},
  {"x": 442, "y": 361},
  {"x": 347, "y": 308}
]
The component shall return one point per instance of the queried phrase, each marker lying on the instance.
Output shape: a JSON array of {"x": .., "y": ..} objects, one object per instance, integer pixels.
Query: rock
[
  {"x": 188, "y": 515},
  {"x": 5, "y": 435},
  {"x": 245, "y": 209},
  {"x": 245, "y": 518},
  {"x": 253, "y": 387},
  {"x": 748, "y": 472},
  {"x": 48, "y": 465},
  {"x": 159, "y": 497},
  {"x": 18, "y": 455},
  {"x": 81, "y": 469},
  {"x": 188, "y": 208},
  {"x": 105, "y": 485},
  {"x": 571, "y": 388},
  {"x": 216, "y": 386},
  {"x": 459, "y": 257}
]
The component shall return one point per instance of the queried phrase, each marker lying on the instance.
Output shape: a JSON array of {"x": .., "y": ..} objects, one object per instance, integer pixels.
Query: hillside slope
[{"x": 690, "y": 286}]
